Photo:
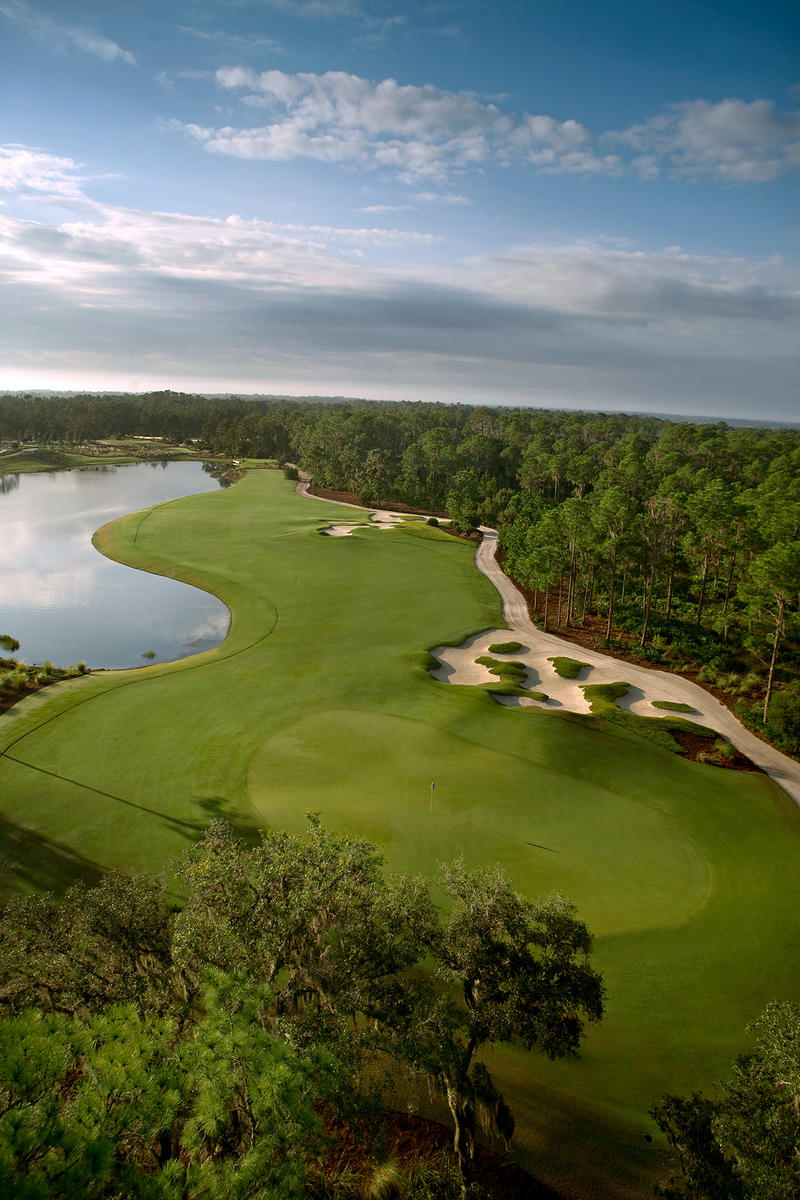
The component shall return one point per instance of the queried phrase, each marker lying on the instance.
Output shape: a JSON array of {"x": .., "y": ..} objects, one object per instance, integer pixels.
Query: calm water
[{"x": 63, "y": 601}]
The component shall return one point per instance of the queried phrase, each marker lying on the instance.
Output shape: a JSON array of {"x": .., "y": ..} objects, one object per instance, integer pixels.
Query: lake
[{"x": 64, "y": 602}]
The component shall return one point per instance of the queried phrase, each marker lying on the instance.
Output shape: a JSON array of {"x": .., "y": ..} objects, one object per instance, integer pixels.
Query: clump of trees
[
  {"x": 745, "y": 1143},
  {"x": 164, "y": 1052}
]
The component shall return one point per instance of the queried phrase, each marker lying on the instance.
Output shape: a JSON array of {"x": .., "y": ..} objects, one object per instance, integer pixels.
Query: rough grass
[
  {"x": 567, "y": 668},
  {"x": 602, "y": 699},
  {"x": 505, "y": 647},
  {"x": 673, "y": 706},
  {"x": 499, "y": 666},
  {"x": 319, "y": 699},
  {"x": 505, "y": 688}
]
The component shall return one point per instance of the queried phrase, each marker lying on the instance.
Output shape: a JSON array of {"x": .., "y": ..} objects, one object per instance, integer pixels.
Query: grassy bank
[{"x": 319, "y": 699}]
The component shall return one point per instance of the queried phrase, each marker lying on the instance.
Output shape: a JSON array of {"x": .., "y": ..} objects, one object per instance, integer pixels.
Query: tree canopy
[
  {"x": 294, "y": 964},
  {"x": 745, "y": 1143}
]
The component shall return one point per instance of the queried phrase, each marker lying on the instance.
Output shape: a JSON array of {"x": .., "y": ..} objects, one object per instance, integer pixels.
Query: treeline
[
  {"x": 169, "y": 1054},
  {"x": 677, "y": 543}
]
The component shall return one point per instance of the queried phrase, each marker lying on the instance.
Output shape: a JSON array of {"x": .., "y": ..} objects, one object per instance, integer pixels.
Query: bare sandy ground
[
  {"x": 645, "y": 684},
  {"x": 379, "y": 518}
]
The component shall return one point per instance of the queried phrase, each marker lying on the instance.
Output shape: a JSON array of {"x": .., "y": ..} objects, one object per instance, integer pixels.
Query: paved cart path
[{"x": 646, "y": 684}]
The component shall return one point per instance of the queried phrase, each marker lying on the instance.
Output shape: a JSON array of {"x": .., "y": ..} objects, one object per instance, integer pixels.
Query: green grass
[
  {"x": 28, "y": 461},
  {"x": 505, "y": 647},
  {"x": 320, "y": 699},
  {"x": 602, "y": 699},
  {"x": 24, "y": 463},
  {"x": 673, "y": 706},
  {"x": 567, "y": 668},
  {"x": 499, "y": 666},
  {"x": 507, "y": 687}
]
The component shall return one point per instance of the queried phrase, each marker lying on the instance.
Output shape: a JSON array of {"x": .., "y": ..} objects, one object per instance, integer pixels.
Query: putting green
[
  {"x": 319, "y": 699},
  {"x": 488, "y": 805}
]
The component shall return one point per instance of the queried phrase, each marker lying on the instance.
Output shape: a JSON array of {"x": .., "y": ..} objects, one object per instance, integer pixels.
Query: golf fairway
[{"x": 319, "y": 699}]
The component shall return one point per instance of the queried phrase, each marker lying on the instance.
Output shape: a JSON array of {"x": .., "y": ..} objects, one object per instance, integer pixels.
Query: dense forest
[{"x": 673, "y": 543}]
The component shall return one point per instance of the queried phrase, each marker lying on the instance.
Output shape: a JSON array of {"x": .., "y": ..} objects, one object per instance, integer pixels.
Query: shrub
[
  {"x": 567, "y": 668},
  {"x": 783, "y": 719}
]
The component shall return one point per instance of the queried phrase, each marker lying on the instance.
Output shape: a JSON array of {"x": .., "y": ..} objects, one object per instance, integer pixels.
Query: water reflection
[{"x": 64, "y": 602}]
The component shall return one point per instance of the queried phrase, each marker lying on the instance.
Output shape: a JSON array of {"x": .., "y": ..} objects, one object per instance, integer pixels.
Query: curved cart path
[
  {"x": 654, "y": 685},
  {"x": 646, "y": 684}
]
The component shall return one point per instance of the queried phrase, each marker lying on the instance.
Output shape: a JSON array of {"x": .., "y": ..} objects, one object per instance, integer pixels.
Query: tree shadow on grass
[
  {"x": 34, "y": 862},
  {"x": 214, "y": 807}
]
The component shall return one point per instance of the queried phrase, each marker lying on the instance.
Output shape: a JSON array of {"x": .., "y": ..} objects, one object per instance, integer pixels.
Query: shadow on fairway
[
  {"x": 38, "y": 863},
  {"x": 216, "y": 807}
]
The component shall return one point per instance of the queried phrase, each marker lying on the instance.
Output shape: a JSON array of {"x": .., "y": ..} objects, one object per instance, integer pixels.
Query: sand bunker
[
  {"x": 457, "y": 665},
  {"x": 378, "y": 519}
]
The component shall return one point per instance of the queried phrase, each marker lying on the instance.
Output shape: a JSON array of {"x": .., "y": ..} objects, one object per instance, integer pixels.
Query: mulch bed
[
  {"x": 350, "y": 498},
  {"x": 407, "y": 1139},
  {"x": 11, "y": 696},
  {"x": 694, "y": 746}
]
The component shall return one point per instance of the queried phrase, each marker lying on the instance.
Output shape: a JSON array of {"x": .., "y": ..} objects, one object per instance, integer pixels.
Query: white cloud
[
  {"x": 60, "y": 38},
  {"x": 350, "y": 102},
  {"x": 384, "y": 208},
  {"x": 533, "y": 132},
  {"x": 451, "y": 199},
  {"x": 233, "y": 41},
  {"x": 734, "y": 141},
  {"x": 25, "y": 168},
  {"x": 330, "y": 9},
  {"x": 189, "y": 299},
  {"x": 426, "y": 133},
  {"x": 416, "y": 132},
  {"x": 615, "y": 283},
  {"x": 379, "y": 30}
]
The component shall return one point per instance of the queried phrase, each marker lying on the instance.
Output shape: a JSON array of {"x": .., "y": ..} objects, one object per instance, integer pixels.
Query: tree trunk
[
  {"x": 778, "y": 628},
  {"x": 463, "y": 1137},
  {"x": 611, "y": 599},
  {"x": 730, "y": 581},
  {"x": 586, "y": 595},
  {"x": 702, "y": 590},
  {"x": 546, "y": 605},
  {"x": 624, "y": 581},
  {"x": 671, "y": 580},
  {"x": 571, "y": 592},
  {"x": 648, "y": 603}
]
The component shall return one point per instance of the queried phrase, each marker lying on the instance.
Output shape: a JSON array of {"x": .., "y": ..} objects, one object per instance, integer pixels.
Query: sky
[{"x": 525, "y": 202}]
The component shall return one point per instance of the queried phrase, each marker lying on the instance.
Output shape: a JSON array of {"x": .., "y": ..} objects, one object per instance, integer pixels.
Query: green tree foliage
[
  {"x": 305, "y": 941},
  {"x": 745, "y": 1144},
  {"x": 128, "y": 1104},
  {"x": 521, "y": 973},
  {"x": 783, "y": 719},
  {"x": 99, "y": 946}
]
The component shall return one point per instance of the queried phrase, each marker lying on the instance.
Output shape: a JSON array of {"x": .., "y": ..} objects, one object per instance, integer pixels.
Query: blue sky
[{"x": 575, "y": 206}]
